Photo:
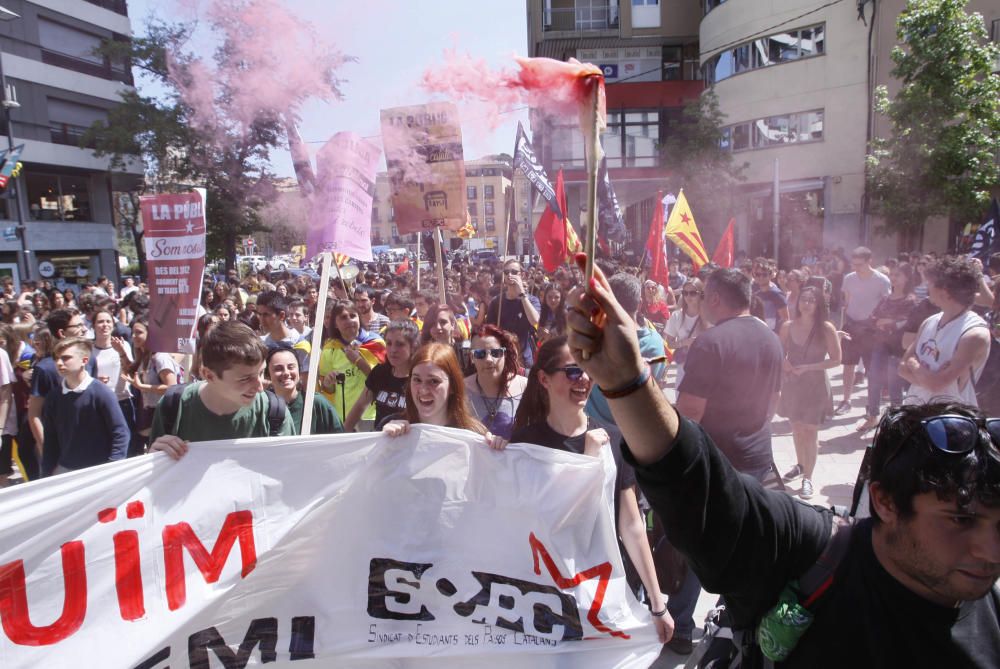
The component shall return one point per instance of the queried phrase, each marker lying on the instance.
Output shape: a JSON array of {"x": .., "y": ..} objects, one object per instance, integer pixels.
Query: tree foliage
[
  {"x": 941, "y": 156},
  {"x": 697, "y": 162}
]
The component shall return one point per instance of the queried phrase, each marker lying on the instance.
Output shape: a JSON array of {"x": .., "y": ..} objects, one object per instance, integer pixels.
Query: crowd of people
[{"x": 494, "y": 350}]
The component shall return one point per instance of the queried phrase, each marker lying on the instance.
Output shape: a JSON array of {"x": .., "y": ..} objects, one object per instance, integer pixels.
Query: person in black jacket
[{"x": 917, "y": 585}]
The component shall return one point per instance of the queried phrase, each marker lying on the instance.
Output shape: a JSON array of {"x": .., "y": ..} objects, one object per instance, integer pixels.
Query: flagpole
[
  {"x": 440, "y": 266},
  {"x": 316, "y": 346},
  {"x": 592, "y": 166}
]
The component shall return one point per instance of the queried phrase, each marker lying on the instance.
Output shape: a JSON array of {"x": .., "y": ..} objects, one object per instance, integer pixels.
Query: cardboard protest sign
[
  {"x": 428, "y": 550},
  {"x": 423, "y": 153},
  {"x": 341, "y": 212},
  {"x": 174, "y": 239}
]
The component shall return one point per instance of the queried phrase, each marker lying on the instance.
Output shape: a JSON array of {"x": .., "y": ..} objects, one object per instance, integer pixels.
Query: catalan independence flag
[
  {"x": 341, "y": 259},
  {"x": 683, "y": 232}
]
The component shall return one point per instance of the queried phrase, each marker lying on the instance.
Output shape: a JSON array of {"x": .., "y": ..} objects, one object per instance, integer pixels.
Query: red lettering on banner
[
  {"x": 128, "y": 575},
  {"x": 601, "y": 571},
  {"x": 14, "y": 600},
  {"x": 237, "y": 526}
]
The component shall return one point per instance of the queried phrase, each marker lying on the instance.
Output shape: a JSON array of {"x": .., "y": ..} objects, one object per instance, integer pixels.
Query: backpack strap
[
  {"x": 818, "y": 578},
  {"x": 276, "y": 411},
  {"x": 169, "y": 407}
]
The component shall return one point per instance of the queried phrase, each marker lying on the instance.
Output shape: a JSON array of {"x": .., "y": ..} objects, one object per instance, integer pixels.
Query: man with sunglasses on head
[
  {"x": 519, "y": 310},
  {"x": 912, "y": 586}
]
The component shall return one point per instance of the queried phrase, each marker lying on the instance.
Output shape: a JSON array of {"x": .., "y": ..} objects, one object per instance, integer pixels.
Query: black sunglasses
[
  {"x": 512, "y": 271},
  {"x": 952, "y": 433},
  {"x": 481, "y": 353},
  {"x": 690, "y": 292},
  {"x": 572, "y": 372}
]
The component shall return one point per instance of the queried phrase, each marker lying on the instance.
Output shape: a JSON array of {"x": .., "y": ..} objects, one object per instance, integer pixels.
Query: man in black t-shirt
[
  {"x": 519, "y": 313},
  {"x": 917, "y": 585}
]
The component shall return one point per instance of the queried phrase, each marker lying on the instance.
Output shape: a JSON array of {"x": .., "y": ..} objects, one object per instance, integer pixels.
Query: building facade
[
  {"x": 62, "y": 87},
  {"x": 795, "y": 82},
  {"x": 649, "y": 52}
]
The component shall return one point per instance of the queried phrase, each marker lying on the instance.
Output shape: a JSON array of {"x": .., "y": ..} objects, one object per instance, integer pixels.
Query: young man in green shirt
[{"x": 229, "y": 404}]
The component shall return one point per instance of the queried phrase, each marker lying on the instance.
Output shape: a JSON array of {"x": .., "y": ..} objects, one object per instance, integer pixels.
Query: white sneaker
[{"x": 807, "y": 489}]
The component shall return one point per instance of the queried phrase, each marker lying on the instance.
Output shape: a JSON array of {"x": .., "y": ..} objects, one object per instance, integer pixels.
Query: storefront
[{"x": 68, "y": 270}]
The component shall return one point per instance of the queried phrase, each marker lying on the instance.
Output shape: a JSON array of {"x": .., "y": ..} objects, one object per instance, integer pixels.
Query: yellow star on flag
[{"x": 683, "y": 232}]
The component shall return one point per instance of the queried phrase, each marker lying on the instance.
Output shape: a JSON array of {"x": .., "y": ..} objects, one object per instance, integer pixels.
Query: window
[
  {"x": 76, "y": 50},
  {"x": 58, "y": 197},
  {"x": 491, "y": 225},
  {"x": 771, "y": 50},
  {"x": 633, "y": 138},
  {"x": 470, "y": 192},
  {"x": 473, "y": 209},
  {"x": 488, "y": 208},
  {"x": 395, "y": 231},
  {"x": 567, "y": 147},
  {"x": 69, "y": 120},
  {"x": 488, "y": 192},
  {"x": 375, "y": 214},
  {"x": 645, "y": 13},
  {"x": 772, "y": 131},
  {"x": 596, "y": 14}
]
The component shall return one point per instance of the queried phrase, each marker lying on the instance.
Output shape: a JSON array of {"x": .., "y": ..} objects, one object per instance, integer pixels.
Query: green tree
[
  {"x": 941, "y": 156},
  {"x": 693, "y": 152}
]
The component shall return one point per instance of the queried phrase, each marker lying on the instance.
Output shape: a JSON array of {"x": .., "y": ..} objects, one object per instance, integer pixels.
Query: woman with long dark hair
[
  {"x": 348, "y": 356},
  {"x": 151, "y": 373},
  {"x": 552, "y": 318},
  {"x": 496, "y": 388},
  {"x": 811, "y": 347},
  {"x": 552, "y": 414}
]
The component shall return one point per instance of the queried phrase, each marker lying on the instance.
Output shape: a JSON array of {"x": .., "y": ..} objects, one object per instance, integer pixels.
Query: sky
[{"x": 394, "y": 42}]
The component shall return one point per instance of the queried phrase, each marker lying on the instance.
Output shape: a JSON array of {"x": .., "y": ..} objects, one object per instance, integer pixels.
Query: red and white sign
[
  {"x": 424, "y": 551},
  {"x": 174, "y": 240}
]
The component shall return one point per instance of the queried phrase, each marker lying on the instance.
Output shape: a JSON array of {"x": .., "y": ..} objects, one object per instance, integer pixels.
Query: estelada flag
[
  {"x": 341, "y": 259},
  {"x": 726, "y": 250},
  {"x": 654, "y": 247},
  {"x": 555, "y": 235},
  {"x": 683, "y": 232}
]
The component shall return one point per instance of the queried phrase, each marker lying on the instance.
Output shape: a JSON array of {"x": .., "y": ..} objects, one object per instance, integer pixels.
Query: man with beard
[
  {"x": 916, "y": 583},
  {"x": 371, "y": 320}
]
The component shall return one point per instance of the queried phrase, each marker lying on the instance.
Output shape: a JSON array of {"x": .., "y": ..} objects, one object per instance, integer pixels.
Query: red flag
[
  {"x": 552, "y": 232},
  {"x": 654, "y": 245},
  {"x": 403, "y": 267},
  {"x": 726, "y": 250}
]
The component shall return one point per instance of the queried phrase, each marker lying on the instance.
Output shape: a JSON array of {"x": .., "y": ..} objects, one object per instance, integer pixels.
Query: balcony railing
[
  {"x": 104, "y": 71},
  {"x": 70, "y": 135},
  {"x": 582, "y": 18}
]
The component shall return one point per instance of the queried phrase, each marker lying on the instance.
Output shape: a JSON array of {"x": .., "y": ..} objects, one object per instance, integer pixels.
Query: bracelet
[
  {"x": 659, "y": 614},
  {"x": 630, "y": 387}
]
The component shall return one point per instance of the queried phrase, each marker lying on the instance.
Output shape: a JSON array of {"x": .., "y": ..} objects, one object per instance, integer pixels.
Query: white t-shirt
[
  {"x": 864, "y": 294},
  {"x": 934, "y": 347},
  {"x": 6, "y": 378},
  {"x": 109, "y": 364}
]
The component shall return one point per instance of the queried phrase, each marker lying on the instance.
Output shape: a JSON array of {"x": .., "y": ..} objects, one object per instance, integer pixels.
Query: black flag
[
  {"x": 525, "y": 160},
  {"x": 609, "y": 214},
  {"x": 986, "y": 242}
]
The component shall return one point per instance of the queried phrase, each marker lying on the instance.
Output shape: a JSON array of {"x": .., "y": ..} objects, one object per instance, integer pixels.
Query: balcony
[
  {"x": 69, "y": 135},
  {"x": 585, "y": 16},
  {"x": 116, "y": 6},
  {"x": 104, "y": 71}
]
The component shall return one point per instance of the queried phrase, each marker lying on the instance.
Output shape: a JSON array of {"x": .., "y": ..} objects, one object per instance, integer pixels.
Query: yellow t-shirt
[{"x": 332, "y": 358}]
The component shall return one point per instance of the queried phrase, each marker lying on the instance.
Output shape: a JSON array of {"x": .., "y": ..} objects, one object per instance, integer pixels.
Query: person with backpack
[
  {"x": 229, "y": 404},
  {"x": 915, "y": 584}
]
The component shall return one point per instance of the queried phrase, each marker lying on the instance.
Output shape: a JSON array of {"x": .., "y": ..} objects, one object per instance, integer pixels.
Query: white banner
[{"x": 427, "y": 550}]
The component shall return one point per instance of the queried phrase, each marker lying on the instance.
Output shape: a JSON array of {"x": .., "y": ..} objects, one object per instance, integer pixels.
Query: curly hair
[
  {"x": 905, "y": 462},
  {"x": 959, "y": 277}
]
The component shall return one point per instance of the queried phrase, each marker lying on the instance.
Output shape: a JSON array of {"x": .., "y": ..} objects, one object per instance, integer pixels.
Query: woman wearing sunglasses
[
  {"x": 435, "y": 395},
  {"x": 496, "y": 388},
  {"x": 552, "y": 414},
  {"x": 685, "y": 324},
  {"x": 811, "y": 347}
]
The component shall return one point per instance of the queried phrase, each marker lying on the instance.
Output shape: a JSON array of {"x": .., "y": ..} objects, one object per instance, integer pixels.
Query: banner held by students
[
  {"x": 174, "y": 241},
  {"x": 279, "y": 550},
  {"x": 341, "y": 209},
  {"x": 423, "y": 154}
]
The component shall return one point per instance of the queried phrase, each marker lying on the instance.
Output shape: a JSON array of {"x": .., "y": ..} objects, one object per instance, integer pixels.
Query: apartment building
[
  {"x": 61, "y": 87},
  {"x": 794, "y": 79},
  {"x": 649, "y": 52}
]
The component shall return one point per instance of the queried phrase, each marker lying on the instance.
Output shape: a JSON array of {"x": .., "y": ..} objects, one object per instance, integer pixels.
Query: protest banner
[
  {"x": 341, "y": 212},
  {"x": 174, "y": 239},
  {"x": 355, "y": 550},
  {"x": 423, "y": 154}
]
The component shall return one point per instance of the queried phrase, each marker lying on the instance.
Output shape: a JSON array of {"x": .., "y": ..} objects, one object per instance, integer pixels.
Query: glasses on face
[
  {"x": 481, "y": 353},
  {"x": 953, "y": 433},
  {"x": 572, "y": 372},
  {"x": 511, "y": 272},
  {"x": 691, "y": 293}
]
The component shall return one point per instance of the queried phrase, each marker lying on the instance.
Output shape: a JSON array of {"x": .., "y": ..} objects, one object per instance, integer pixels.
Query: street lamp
[{"x": 10, "y": 102}]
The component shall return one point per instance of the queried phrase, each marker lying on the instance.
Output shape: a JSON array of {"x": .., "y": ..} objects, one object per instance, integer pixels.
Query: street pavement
[{"x": 840, "y": 451}]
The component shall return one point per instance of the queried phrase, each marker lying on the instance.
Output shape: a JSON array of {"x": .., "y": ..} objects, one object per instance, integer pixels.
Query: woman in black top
[
  {"x": 386, "y": 385},
  {"x": 551, "y": 414},
  {"x": 552, "y": 318}
]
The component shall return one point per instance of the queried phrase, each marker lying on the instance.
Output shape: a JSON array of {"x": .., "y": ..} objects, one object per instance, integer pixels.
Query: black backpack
[{"x": 170, "y": 404}]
